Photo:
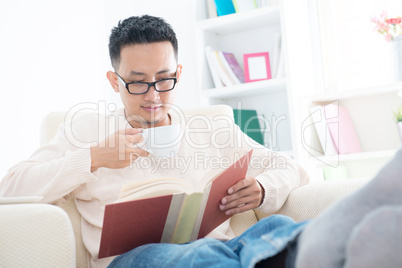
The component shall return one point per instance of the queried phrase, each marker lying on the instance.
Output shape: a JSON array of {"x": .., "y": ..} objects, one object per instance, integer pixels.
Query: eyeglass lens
[{"x": 163, "y": 85}]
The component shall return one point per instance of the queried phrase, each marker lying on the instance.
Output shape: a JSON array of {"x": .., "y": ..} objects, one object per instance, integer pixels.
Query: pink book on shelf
[
  {"x": 342, "y": 130},
  {"x": 234, "y": 65}
]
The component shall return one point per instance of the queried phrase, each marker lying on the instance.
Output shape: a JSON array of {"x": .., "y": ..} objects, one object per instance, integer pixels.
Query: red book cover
[
  {"x": 128, "y": 225},
  {"x": 219, "y": 189}
]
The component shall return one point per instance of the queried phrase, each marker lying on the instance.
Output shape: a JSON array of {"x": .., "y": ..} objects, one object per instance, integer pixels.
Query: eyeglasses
[{"x": 138, "y": 88}]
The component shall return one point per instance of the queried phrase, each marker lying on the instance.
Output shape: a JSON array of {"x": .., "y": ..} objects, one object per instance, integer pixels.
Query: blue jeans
[{"x": 265, "y": 239}]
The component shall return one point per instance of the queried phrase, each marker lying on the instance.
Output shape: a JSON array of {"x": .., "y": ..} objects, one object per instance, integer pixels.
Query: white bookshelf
[
  {"x": 246, "y": 89},
  {"x": 239, "y": 22},
  {"x": 357, "y": 156},
  {"x": 240, "y": 33},
  {"x": 357, "y": 93},
  {"x": 369, "y": 106}
]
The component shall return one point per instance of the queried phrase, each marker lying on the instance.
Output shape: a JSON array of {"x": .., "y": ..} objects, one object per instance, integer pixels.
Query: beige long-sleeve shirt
[{"x": 208, "y": 146}]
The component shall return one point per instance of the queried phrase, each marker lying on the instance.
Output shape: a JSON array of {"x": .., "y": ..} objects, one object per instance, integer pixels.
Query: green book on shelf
[
  {"x": 248, "y": 122},
  {"x": 244, "y": 5}
]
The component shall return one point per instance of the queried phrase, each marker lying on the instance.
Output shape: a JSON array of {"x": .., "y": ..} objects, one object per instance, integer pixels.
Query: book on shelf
[
  {"x": 167, "y": 210},
  {"x": 280, "y": 69},
  {"x": 248, "y": 122},
  {"x": 320, "y": 125},
  {"x": 212, "y": 13},
  {"x": 244, "y": 5},
  {"x": 342, "y": 129},
  {"x": 276, "y": 55},
  {"x": 261, "y": 3},
  {"x": 224, "y": 7},
  {"x": 213, "y": 66},
  {"x": 232, "y": 67},
  {"x": 224, "y": 70}
]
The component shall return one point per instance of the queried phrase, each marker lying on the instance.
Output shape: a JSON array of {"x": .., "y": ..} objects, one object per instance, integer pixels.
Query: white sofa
[{"x": 39, "y": 235}]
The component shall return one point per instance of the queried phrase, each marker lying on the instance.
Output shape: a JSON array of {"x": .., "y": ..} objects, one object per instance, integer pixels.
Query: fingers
[
  {"x": 240, "y": 185},
  {"x": 130, "y": 131},
  {"x": 245, "y": 195},
  {"x": 239, "y": 205},
  {"x": 131, "y": 135},
  {"x": 134, "y": 138},
  {"x": 137, "y": 154}
]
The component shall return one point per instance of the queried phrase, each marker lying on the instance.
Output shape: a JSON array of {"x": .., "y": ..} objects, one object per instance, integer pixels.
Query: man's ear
[
  {"x": 112, "y": 77},
  {"x": 179, "y": 71}
]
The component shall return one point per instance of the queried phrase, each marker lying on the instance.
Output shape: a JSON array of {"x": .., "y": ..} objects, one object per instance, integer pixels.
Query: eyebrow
[{"x": 134, "y": 73}]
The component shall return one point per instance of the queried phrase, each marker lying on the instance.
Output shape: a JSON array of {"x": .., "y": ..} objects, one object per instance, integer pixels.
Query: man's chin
[
  {"x": 157, "y": 121},
  {"x": 150, "y": 119}
]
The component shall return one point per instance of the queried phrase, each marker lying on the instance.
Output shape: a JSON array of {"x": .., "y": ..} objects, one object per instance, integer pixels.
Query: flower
[
  {"x": 394, "y": 21},
  {"x": 389, "y": 27}
]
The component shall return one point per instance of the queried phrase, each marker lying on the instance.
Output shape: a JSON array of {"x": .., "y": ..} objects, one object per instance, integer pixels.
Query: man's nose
[{"x": 152, "y": 94}]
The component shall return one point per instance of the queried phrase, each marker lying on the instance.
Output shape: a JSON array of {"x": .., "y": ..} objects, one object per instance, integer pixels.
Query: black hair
[{"x": 139, "y": 30}]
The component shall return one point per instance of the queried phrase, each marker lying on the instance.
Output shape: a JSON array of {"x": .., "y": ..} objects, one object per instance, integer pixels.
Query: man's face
[{"x": 146, "y": 63}]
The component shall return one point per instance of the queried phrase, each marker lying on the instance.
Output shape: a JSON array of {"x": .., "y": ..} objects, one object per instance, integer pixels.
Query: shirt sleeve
[{"x": 53, "y": 171}]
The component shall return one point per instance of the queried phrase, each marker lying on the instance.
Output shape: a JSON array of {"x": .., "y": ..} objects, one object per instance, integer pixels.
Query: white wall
[
  {"x": 356, "y": 56},
  {"x": 54, "y": 55}
]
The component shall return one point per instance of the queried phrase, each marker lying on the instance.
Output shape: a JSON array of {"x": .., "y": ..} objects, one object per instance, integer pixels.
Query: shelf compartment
[
  {"x": 356, "y": 93},
  {"x": 238, "y": 22},
  {"x": 356, "y": 156},
  {"x": 246, "y": 89}
]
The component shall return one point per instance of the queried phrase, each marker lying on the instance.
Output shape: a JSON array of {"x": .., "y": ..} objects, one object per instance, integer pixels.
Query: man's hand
[
  {"x": 245, "y": 195},
  {"x": 118, "y": 150}
]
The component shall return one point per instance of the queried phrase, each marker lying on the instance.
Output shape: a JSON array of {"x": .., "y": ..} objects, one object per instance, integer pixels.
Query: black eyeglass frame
[{"x": 148, "y": 83}]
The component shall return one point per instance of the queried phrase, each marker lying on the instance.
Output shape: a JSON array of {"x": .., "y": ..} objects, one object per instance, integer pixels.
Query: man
[{"x": 143, "y": 53}]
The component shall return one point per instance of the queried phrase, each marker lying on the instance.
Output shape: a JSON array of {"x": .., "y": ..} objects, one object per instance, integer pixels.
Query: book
[
  {"x": 280, "y": 70},
  {"x": 244, "y": 5},
  {"x": 227, "y": 69},
  {"x": 320, "y": 125},
  {"x": 342, "y": 129},
  {"x": 220, "y": 67},
  {"x": 248, "y": 122},
  {"x": 276, "y": 54},
  {"x": 211, "y": 9},
  {"x": 233, "y": 67},
  {"x": 261, "y": 3},
  {"x": 224, "y": 7},
  {"x": 167, "y": 210},
  {"x": 213, "y": 67}
]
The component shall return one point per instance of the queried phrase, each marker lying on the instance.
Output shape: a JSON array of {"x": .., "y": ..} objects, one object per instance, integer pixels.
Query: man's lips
[{"x": 152, "y": 108}]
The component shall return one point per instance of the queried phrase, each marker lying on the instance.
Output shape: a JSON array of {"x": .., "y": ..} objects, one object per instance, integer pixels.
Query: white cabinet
[{"x": 247, "y": 32}]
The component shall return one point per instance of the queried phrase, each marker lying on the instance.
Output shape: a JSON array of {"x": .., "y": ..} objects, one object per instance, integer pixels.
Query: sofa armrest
[
  {"x": 35, "y": 235},
  {"x": 308, "y": 201}
]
